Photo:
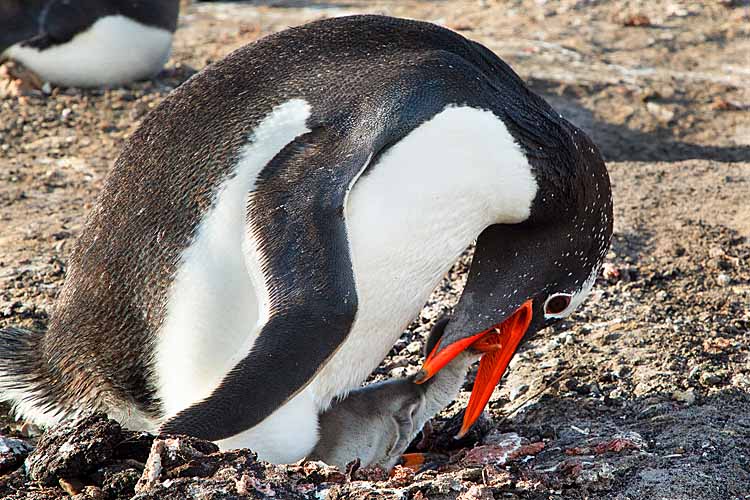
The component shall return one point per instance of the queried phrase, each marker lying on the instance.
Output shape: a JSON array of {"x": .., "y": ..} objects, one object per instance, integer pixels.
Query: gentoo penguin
[
  {"x": 378, "y": 422},
  {"x": 277, "y": 221},
  {"x": 87, "y": 43}
]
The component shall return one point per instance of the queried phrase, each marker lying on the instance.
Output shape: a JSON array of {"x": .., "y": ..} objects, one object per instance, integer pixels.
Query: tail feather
[{"x": 25, "y": 379}]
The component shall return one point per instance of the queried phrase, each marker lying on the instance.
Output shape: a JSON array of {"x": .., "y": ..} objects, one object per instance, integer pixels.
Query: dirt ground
[{"x": 644, "y": 393}]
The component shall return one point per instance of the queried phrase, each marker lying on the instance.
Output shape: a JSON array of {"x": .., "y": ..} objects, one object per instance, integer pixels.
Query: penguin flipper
[
  {"x": 61, "y": 21},
  {"x": 296, "y": 216},
  {"x": 43, "y": 23}
]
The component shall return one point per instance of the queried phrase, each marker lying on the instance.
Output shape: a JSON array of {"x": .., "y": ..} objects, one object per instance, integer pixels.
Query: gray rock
[
  {"x": 688, "y": 397},
  {"x": 710, "y": 379},
  {"x": 517, "y": 391},
  {"x": 12, "y": 453},
  {"x": 723, "y": 279}
]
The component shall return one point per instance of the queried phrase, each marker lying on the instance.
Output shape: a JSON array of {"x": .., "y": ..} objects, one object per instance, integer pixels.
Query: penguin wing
[
  {"x": 297, "y": 218},
  {"x": 45, "y": 23},
  {"x": 60, "y": 21}
]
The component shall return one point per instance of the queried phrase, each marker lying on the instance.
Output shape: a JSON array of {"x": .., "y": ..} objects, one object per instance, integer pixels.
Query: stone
[
  {"x": 73, "y": 449},
  {"x": 723, "y": 279},
  {"x": 710, "y": 379},
  {"x": 518, "y": 391},
  {"x": 12, "y": 453},
  {"x": 688, "y": 396}
]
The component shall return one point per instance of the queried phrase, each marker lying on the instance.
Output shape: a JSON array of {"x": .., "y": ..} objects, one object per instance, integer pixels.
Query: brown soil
[{"x": 645, "y": 392}]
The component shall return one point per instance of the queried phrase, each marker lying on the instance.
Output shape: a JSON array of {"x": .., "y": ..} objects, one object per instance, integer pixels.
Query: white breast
[
  {"x": 410, "y": 218},
  {"x": 114, "y": 50}
]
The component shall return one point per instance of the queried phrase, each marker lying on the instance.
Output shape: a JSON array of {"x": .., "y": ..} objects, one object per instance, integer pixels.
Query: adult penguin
[
  {"x": 88, "y": 43},
  {"x": 273, "y": 226}
]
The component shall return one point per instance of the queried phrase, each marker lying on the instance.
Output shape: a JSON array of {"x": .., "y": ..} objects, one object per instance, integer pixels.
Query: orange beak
[{"x": 498, "y": 344}]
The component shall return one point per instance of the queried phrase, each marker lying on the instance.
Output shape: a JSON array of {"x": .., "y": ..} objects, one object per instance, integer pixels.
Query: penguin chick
[{"x": 377, "y": 422}]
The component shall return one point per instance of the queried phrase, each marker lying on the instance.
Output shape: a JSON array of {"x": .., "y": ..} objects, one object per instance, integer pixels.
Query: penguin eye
[{"x": 557, "y": 303}]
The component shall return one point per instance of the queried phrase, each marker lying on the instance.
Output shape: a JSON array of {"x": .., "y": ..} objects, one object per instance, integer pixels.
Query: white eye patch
[
  {"x": 560, "y": 305},
  {"x": 557, "y": 305}
]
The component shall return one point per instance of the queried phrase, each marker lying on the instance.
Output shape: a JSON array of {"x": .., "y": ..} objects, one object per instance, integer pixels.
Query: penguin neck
[
  {"x": 444, "y": 386},
  {"x": 431, "y": 194}
]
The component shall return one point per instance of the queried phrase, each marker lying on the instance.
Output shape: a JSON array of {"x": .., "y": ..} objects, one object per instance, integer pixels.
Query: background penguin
[
  {"x": 378, "y": 422},
  {"x": 86, "y": 43},
  {"x": 279, "y": 219}
]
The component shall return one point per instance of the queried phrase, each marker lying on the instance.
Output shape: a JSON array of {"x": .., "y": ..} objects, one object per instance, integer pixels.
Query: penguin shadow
[
  {"x": 174, "y": 75},
  {"x": 168, "y": 79},
  {"x": 622, "y": 143},
  {"x": 633, "y": 245}
]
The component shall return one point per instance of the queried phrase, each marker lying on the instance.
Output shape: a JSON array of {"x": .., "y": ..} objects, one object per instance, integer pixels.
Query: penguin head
[{"x": 529, "y": 275}]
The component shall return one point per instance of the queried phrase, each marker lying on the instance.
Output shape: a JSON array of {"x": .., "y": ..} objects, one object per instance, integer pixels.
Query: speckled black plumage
[{"x": 369, "y": 80}]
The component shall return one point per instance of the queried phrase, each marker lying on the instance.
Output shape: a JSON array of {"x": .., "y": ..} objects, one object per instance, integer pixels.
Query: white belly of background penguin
[
  {"x": 87, "y": 43},
  {"x": 263, "y": 240}
]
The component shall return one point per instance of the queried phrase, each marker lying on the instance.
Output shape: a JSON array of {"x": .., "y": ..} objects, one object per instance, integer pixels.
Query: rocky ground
[{"x": 642, "y": 394}]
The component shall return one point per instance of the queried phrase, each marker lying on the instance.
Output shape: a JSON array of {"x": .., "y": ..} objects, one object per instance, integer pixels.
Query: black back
[{"x": 46, "y": 23}]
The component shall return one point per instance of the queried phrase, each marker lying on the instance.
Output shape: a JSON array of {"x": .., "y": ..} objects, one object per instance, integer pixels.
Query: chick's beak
[{"x": 498, "y": 345}]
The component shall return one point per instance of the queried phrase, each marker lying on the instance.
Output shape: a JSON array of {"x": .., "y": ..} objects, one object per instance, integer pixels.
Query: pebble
[
  {"x": 445, "y": 484},
  {"x": 710, "y": 379},
  {"x": 654, "y": 410},
  {"x": 716, "y": 252},
  {"x": 688, "y": 397},
  {"x": 89, "y": 493},
  {"x": 569, "y": 384},
  {"x": 517, "y": 391},
  {"x": 610, "y": 272},
  {"x": 477, "y": 492},
  {"x": 723, "y": 279},
  {"x": 12, "y": 453},
  {"x": 595, "y": 389},
  {"x": 741, "y": 380},
  {"x": 661, "y": 112},
  {"x": 73, "y": 449},
  {"x": 622, "y": 371},
  {"x": 71, "y": 486},
  {"x": 397, "y": 361},
  {"x": 549, "y": 363},
  {"x": 617, "y": 394},
  {"x": 414, "y": 347}
]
